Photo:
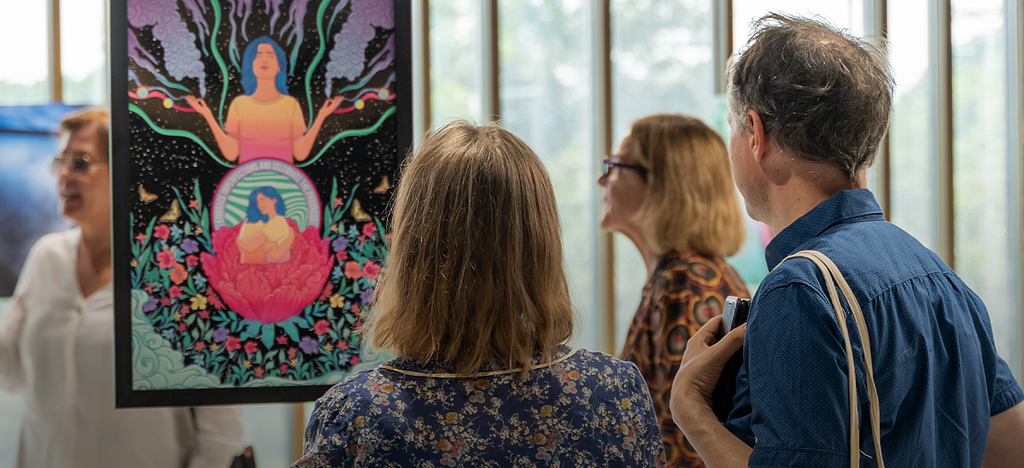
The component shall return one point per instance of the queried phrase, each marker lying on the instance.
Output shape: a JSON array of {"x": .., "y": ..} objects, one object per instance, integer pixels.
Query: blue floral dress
[{"x": 581, "y": 409}]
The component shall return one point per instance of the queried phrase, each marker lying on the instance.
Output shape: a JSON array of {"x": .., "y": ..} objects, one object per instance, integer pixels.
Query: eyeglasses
[
  {"x": 608, "y": 164},
  {"x": 77, "y": 163}
]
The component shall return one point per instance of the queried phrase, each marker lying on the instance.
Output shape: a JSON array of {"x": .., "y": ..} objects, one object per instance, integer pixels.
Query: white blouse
[{"x": 57, "y": 347}]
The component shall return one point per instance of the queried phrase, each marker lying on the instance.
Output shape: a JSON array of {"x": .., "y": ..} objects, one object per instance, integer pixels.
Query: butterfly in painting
[
  {"x": 172, "y": 214},
  {"x": 145, "y": 196}
]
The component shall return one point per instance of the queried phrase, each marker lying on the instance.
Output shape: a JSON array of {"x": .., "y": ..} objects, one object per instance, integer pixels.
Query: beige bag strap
[{"x": 833, "y": 277}]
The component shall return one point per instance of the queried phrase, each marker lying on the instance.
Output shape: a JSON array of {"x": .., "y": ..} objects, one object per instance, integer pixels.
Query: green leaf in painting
[
  {"x": 291, "y": 330},
  {"x": 267, "y": 335}
]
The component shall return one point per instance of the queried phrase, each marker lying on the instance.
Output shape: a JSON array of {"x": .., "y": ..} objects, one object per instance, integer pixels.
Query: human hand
[
  {"x": 199, "y": 105},
  {"x": 702, "y": 364},
  {"x": 329, "y": 107}
]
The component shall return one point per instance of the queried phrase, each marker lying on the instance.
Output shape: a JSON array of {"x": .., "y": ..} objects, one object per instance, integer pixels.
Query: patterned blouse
[
  {"x": 684, "y": 292},
  {"x": 581, "y": 409}
]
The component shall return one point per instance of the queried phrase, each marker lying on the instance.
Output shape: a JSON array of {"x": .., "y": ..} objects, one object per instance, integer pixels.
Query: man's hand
[
  {"x": 700, "y": 369},
  {"x": 691, "y": 396}
]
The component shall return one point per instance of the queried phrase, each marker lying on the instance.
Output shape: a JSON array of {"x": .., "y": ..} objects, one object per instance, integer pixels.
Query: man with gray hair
[{"x": 809, "y": 106}]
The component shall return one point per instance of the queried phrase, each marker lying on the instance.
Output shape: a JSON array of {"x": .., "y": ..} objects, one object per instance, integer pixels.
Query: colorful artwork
[{"x": 253, "y": 183}]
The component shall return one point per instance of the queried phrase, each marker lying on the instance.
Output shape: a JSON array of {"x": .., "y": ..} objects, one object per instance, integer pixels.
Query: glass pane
[
  {"x": 545, "y": 98},
  {"x": 83, "y": 54},
  {"x": 23, "y": 78},
  {"x": 983, "y": 196},
  {"x": 269, "y": 430},
  {"x": 912, "y": 130},
  {"x": 456, "y": 60},
  {"x": 848, "y": 14}
]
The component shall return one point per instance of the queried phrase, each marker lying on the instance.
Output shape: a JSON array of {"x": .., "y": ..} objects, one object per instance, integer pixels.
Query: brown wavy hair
[
  {"x": 475, "y": 269},
  {"x": 691, "y": 201}
]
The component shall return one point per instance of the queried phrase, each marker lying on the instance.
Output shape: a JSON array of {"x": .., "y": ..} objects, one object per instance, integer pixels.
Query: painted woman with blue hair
[
  {"x": 265, "y": 123},
  {"x": 266, "y": 236}
]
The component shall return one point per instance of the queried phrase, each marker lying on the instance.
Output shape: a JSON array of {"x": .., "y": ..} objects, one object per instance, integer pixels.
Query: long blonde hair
[
  {"x": 475, "y": 269},
  {"x": 691, "y": 201}
]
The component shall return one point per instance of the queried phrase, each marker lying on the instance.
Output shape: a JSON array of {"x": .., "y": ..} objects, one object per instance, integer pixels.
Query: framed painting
[{"x": 255, "y": 144}]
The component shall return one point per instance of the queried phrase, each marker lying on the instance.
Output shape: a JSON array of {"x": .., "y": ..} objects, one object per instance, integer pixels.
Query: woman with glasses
[
  {"x": 475, "y": 305},
  {"x": 669, "y": 189},
  {"x": 56, "y": 340}
]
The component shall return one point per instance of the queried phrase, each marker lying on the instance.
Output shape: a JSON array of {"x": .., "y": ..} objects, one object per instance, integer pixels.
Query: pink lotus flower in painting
[{"x": 271, "y": 292}]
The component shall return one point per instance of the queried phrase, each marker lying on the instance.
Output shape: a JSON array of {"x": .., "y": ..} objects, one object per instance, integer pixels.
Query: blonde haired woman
[
  {"x": 475, "y": 304},
  {"x": 669, "y": 189}
]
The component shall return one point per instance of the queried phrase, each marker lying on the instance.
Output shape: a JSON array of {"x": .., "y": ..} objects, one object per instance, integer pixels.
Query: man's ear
[{"x": 759, "y": 144}]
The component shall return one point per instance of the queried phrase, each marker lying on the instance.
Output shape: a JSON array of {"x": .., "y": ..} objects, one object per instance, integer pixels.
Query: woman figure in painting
[
  {"x": 56, "y": 340},
  {"x": 266, "y": 122},
  {"x": 669, "y": 189},
  {"x": 266, "y": 236},
  {"x": 475, "y": 304}
]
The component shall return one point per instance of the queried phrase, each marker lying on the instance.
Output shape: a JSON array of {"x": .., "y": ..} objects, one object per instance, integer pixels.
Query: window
[
  {"x": 984, "y": 194},
  {"x": 24, "y": 76}
]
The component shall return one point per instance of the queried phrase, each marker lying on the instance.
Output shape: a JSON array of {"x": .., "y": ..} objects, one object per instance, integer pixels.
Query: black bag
[{"x": 721, "y": 398}]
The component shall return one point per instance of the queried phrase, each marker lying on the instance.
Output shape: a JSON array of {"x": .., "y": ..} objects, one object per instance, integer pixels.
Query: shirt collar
[{"x": 843, "y": 207}]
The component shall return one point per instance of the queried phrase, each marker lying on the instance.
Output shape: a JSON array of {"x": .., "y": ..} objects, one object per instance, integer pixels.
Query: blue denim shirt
[{"x": 938, "y": 377}]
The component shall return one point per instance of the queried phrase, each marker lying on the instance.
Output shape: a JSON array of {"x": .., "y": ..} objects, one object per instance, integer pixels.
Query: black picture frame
[{"x": 169, "y": 169}]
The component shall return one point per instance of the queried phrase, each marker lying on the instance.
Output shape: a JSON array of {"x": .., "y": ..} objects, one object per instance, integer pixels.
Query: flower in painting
[
  {"x": 342, "y": 345},
  {"x": 220, "y": 334},
  {"x": 341, "y": 255},
  {"x": 232, "y": 343},
  {"x": 191, "y": 260},
  {"x": 141, "y": 238},
  {"x": 176, "y": 231},
  {"x": 336, "y": 274},
  {"x": 185, "y": 310},
  {"x": 340, "y": 244},
  {"x": 371, "y": 270},
  {"x": 308, "y": 345},
  {"x": 354, "y": 360},
  {"x": 198, "y": 302},
  {"x": 282, "y": 339},
  {"x": 179, "y": 274},
  {"x": 200, "y": 281},
  {"x": 291, "y": 352},
  {"x": 190, "y": 246},
  {"x": 352, "y": 270},
  {"x": 366, "y": 296},
  {"x": 250, "y": 347},
  {"x": 321, "y": 327},
  {"x": 204, "y": 314},
  {"x": 355, "y": 308},
  {"x": 388, "y": 237},
  {"x": 168, "y": 333},
  {"x": 328, "y": 290},
  {"x": 182, "y": 326},
  {"x": 161, "y": 232},
  {"x": 166, "y": 260},
  {"x": 194, "y": 204},
  {"x": 283, "y": 368},
  {"x": 150, "y": 304},
  {"x": 174, "y": 292},
  {"x": 258, "y": 371},
  {"x": 369, "y": 229},
  {"x": 200, "y": 345},
  {"x": 214, "y": 300},
  {"x": 337, "y": 301},
  {"x": 165, "y": 301}
]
